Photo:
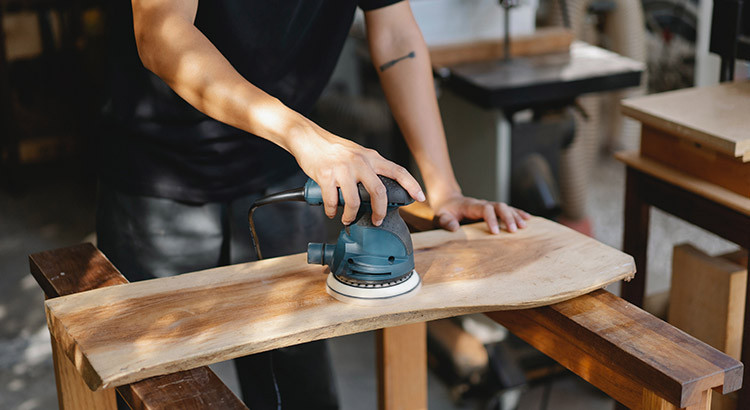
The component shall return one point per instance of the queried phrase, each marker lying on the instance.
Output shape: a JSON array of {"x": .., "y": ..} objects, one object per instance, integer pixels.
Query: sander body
[{"x": 367, "y": 262}]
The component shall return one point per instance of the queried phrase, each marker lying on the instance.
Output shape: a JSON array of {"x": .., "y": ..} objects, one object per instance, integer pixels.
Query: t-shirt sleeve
[{"x": 367, "y": 5}]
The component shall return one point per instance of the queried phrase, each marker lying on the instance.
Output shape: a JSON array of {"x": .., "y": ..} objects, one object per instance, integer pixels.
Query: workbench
[
  {"x": 694, "y": 163},
  {"x": 478, "y": 99},
  {"x": 127, "y": 338}
]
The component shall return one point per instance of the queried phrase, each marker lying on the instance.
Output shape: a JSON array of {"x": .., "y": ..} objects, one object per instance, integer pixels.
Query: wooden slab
[
  {"x": 716, "y": 116},
  {"x": 126, "y": 333},
  {"x": 690, "y": 183}
]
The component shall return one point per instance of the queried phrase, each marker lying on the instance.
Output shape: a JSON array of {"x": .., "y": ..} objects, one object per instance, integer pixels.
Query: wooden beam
[
  {"x": 707, "y": 298},
  {"x": 72, "y": 391},
  {"x": 653, "y": 401},
  {"x": 707, "y": 190},
  {"x": 622, "y": 349},
  {"x": 402, "y": 367},
  {"x": 696, "y": 160},
  {"x": 80, "y": 268},
  {"x": 199, "y": 388},
  {"x": 131, "y": 332}
]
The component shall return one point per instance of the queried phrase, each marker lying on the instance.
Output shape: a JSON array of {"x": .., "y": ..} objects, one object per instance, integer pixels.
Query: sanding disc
[{"x": 372, "y": 295}]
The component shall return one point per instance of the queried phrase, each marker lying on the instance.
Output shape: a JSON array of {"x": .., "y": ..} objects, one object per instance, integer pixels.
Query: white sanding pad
[{"x": 373, "y": 296}]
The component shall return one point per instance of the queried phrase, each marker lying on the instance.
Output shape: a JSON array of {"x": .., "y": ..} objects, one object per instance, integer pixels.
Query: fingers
[
  {"x": 337, "y": 163},
  {"x": 491, "y": 219},
  {"x": 330, "y": 198},
  {"x": 350, "y": 193},
  {"x": 506, "y": 215},
  {"x": 378, "y": 198},
  {"x": 520, "y": 220},
  {"x": 448, "y": 221},
  {"x": 459, "y": 207},
  {"x": 403, "y": 177}
]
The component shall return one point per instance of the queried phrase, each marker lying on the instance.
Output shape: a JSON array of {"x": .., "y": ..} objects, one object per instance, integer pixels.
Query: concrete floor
[{"x": 57, "y": 209}]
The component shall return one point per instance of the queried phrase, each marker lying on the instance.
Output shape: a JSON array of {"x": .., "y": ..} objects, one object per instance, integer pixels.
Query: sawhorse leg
[
  {"x": 72, "y": 391},
  {"x": 402, "y": 367}
]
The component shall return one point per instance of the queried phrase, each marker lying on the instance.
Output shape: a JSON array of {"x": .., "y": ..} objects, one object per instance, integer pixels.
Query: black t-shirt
[{"x": 155, "y": 144}]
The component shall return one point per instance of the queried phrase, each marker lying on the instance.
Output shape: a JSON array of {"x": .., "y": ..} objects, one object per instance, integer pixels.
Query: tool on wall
[{"x": 367, "y": 263}]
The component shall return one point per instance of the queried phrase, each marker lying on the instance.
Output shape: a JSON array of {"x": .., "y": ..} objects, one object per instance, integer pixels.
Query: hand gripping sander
[{"x": 367, "y": 263}]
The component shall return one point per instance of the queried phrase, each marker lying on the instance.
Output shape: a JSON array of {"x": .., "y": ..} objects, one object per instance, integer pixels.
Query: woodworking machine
[{"x": 367, "y": 263}]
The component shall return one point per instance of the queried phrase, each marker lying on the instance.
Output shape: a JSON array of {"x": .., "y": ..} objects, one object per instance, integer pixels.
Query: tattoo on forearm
[{"x": 393, "y": 62}]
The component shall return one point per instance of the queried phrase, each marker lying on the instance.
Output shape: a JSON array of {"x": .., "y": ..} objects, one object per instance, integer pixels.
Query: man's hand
[
  {"x": 458, "y": 207},
  {"x": 334, "y": 162}
]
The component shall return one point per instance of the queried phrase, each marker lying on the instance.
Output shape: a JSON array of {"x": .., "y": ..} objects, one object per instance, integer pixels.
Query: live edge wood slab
[
  {"x": 634, "y": 357},
  {"x": 125, "y": 333}
]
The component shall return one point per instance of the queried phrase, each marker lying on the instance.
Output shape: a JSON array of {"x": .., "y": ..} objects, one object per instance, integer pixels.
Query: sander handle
[
  {"x": 313, "y": 195},
  {"x": 397, "y": 195}
]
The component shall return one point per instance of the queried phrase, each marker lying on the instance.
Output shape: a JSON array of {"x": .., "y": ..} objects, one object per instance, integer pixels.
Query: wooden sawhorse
[{"x": 634, "y": 357}]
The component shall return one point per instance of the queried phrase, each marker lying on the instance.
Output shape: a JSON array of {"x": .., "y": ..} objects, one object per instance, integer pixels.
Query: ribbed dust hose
[{"x": 296, "y": 194}]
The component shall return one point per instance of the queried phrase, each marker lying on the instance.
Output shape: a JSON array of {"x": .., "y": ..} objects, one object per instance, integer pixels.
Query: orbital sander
[{"x": 368, "y": 262}]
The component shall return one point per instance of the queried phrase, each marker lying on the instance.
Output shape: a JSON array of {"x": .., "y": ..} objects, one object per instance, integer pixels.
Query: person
[{"x": 207, "y": 114}]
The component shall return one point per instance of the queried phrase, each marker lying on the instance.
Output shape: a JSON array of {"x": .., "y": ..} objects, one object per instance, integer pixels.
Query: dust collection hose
[{"x": 296, "y": 194}]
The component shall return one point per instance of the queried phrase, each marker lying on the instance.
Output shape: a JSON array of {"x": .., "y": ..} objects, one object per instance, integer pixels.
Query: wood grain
[
  {"x": 715, "y": 115},
  {"x": 690, "y": 183},
  {"x": 402, "y": 367},
  {"x": 83, "y": 267},
  {"x": 72, "y": 391},
  {"x": 707, "y": 298},
  {"x": 154, "y": 327},
  {"x": 697, "y": 160},
  {"x": 621, "y": 349},
  {"x": 199, "y": 388},
  {"x": 740, "y": 257},
  {"x": 542, "y": 41},
  {"x": 652, "y": 401}
]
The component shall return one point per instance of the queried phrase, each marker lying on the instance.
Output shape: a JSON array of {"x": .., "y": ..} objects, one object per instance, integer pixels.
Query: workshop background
[{"x": 52, "y": 62}]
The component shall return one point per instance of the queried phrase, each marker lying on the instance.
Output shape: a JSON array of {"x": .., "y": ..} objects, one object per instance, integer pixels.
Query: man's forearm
[{"x": 400, "y": 56}]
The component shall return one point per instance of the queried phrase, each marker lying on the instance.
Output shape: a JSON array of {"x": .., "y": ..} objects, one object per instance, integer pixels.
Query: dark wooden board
[{"x": 636, "y": 348}]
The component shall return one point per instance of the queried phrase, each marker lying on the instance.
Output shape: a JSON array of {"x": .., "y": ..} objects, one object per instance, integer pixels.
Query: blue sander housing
[{"x": 367, "y": 262}]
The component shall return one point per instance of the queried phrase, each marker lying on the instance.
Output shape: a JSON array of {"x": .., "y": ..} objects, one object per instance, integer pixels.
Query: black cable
[{"x": 297, "y": 194}]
